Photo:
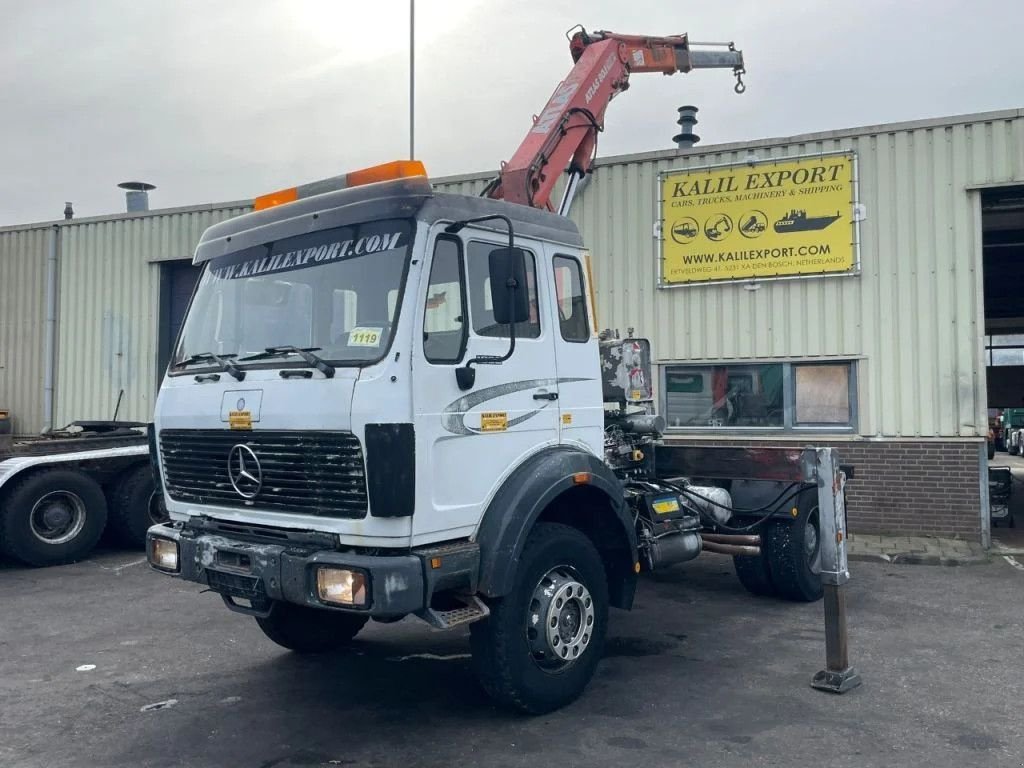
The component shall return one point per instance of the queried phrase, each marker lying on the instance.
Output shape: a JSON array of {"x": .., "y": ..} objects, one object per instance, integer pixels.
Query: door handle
[{"x": 545, "y": 395}]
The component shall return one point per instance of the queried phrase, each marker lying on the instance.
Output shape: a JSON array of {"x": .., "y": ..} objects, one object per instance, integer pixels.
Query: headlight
[
  {"x": 163, "y": 554},
  {"x": 341, "y": 586}
]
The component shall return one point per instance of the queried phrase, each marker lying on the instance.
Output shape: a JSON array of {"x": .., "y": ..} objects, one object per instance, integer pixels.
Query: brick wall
[{"x": 927, "y": 487}]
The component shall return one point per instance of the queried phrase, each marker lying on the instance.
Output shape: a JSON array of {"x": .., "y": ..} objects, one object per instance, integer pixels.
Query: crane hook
[{"x": 740, "y": 86}]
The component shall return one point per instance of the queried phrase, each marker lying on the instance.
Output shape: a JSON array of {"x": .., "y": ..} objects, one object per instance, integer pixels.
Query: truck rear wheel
[
  {"x": 755, "y": 574},
  {"x": 539, "y": 648},
  {"x": 310, "y": 630},
  {"x": 135, "y": 506},
  {"x": 51, "y": 517},
  {"x": 794, "y": 552}
]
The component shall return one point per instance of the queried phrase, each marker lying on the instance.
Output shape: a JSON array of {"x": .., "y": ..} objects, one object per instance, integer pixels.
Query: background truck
[
  {"x": 387, "y": 401},
  {"x": 1013, "y": 430},
  {"x": 59, "y": 491}
]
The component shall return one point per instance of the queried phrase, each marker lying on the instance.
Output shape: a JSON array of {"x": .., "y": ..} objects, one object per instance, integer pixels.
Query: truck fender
[
  {"x": 13, "y": 467},
  {"x": 523, "y": 498}
]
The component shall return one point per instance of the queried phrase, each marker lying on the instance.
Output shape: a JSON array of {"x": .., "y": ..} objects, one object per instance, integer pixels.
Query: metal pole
[
  {"x": 412, "y": 79},
  {"x": 821, "y": 466},
  {"x": 50, "y": 328}
]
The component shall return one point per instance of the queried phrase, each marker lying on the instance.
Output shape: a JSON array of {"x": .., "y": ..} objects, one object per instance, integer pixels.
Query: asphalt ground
[{"x": 700, "y": 673}]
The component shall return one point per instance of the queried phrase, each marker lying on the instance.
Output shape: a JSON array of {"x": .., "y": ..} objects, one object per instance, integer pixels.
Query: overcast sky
[{"x": 223, "y": 100}]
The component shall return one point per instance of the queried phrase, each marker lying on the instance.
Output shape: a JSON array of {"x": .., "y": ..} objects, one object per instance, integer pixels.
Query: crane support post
[
  {"x": 564, "y": 135},
  {"x": 821, "y": 466}
]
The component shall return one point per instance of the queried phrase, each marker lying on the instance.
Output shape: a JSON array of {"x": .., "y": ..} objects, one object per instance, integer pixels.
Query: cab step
[{"x": 461, "y": 609}]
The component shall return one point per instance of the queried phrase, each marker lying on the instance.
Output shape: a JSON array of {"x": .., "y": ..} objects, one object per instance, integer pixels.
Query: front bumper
[{"x": 260, "y": 572}]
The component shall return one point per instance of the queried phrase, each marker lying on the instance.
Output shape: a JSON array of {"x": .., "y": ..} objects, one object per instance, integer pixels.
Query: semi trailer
[
  {"x": 388, "y": 401},
  {"x": 61, "y": 490}
]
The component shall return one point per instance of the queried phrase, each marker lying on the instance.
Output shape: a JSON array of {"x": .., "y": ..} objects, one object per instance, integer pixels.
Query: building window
[
  {"x": 724, "y": 396},
  {"x": 1004, "y": 349},
  {"x": 572, "y": 304},
  {"x": 760, "y": 396},
  {"x": 822, "y": 394}
]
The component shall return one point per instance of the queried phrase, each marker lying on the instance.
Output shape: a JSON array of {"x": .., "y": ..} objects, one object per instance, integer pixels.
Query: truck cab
[{"x": 377, "y": 393}]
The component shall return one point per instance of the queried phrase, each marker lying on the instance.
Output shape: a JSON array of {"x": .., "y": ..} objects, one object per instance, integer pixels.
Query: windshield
[{"x": 335, "y": 290}]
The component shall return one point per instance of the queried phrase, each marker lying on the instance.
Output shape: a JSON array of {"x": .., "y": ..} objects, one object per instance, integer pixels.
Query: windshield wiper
[
  {"x": 306, "y": 353},
  {"x": 224, "y": 362}
]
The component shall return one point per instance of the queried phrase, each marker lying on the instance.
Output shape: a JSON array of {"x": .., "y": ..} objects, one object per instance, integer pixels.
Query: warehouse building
[{"x": 857, "y": 288}]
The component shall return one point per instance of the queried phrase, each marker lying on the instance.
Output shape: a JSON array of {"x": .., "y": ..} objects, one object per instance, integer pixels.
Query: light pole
[{"x": 412, "y": 79}]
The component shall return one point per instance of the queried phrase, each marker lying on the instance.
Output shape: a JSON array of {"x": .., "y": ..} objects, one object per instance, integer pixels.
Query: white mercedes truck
[{"x": 388, "y": 401}]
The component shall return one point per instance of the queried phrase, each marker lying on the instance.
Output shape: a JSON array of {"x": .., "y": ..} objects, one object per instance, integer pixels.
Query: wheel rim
[
  {"x": 58, "y": 517},
  {"x": 157, "y": 509},
  {"x": 812, "y": 542},
  {"x": 560, "y": 621}
]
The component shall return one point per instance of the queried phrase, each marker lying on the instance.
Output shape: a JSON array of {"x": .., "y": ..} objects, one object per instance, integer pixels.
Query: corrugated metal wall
[
  {"x": 914, "y": 315},
  {"x": 109, "y": 308},
  {"x": 912, "y": 318},
  {"x": 22, "y": 319}
]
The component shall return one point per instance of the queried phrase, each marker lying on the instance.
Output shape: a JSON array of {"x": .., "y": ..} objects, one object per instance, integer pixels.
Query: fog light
[
  {"x": 163, "y": 554},
  {"x": 341, "y": 586}
]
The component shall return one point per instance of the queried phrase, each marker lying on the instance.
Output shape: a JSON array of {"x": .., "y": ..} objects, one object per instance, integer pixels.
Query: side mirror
[
  {"x": 510, "y": 300},
  {"x": 509, "y": 297}
]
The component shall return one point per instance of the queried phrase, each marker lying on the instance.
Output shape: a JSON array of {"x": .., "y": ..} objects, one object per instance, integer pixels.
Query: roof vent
[
  {"x": 136, "y": 195},
  {"x": 686, "y": 138}
]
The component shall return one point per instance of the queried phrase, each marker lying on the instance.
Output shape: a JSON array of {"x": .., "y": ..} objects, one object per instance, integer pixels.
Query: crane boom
[{"x": 564, "y": 135}]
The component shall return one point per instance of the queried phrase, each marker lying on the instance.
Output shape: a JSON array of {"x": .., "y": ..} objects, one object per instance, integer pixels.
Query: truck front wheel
[
  {"x": 50, "y": 517},
  {"x": 539, "y": 648},
  {"x": 310, "y": 630}
]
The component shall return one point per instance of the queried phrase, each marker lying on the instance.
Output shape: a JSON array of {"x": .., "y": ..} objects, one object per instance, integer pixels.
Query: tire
[
  {"x": 755, "y": 575},
  {"x": 794, "y": 552},
  {"x": 52, "y": 517},
  {"x": 135, "y": 506},
  {"x": 522, "y": 668},
  {"x": 310, "y": 630}
]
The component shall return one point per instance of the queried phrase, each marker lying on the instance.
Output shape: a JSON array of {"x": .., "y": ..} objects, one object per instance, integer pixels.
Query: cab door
[
  {"x": 469, "y": 440},
  {"x": 577, "y": 359}
]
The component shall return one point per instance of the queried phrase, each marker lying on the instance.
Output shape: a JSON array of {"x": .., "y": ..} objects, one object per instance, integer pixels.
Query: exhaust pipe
[
  {"x": 731, "y": 549},
  {"x": 732, "y": 538}
]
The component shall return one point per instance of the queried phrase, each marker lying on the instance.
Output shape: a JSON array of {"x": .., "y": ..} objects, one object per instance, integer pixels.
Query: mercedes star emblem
[{"x": 245, "y": 471}]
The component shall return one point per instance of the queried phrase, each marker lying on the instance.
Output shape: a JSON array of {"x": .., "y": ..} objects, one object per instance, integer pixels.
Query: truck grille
[{"x": 313, "y": 473}]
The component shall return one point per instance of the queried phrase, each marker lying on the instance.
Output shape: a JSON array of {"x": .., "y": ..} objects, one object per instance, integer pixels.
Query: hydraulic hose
[{"x": 794, "y": 490}]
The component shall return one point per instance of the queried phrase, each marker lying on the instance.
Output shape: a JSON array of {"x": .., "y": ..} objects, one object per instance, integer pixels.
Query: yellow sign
[
  {"x": 493, "y": 421},
  {"x": 240, "y": 419},
  {"x": 664, "y": 506},
  {"x": 364, "y": 337},
  {"x": 768, "y": 219}
]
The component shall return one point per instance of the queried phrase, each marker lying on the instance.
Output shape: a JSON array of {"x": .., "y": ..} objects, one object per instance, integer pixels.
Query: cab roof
[{"x": 399, "y": 198}]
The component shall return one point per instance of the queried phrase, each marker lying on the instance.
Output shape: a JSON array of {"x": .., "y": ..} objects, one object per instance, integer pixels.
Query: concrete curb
[
  {"x": 1000, "y": 551},
  {"x": 917, "y": 558}
]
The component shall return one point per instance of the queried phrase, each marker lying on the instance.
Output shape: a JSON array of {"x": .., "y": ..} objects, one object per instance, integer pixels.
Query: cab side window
[
  {"x": 444, "y": 326},
  {"x": 572, "y": 304},
  {"x": 480, "y": 295}
]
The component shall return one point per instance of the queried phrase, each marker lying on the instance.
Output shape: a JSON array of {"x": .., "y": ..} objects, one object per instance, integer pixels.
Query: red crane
[{"x": 564, "y": 135}]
